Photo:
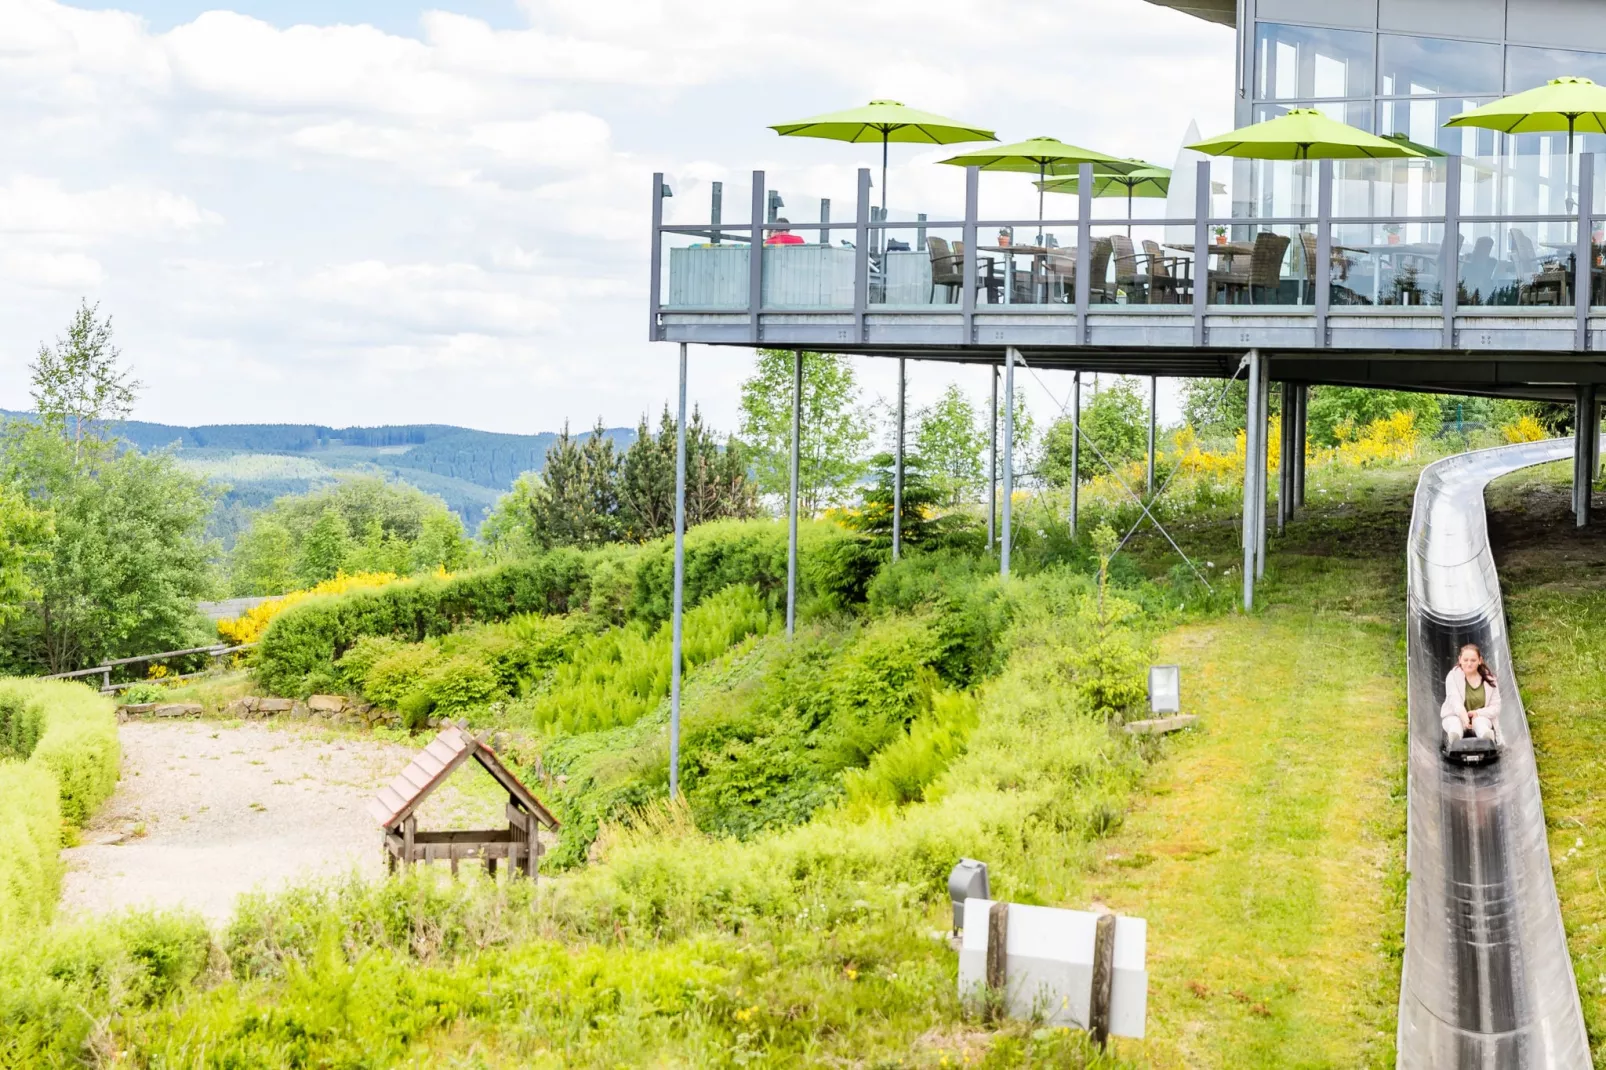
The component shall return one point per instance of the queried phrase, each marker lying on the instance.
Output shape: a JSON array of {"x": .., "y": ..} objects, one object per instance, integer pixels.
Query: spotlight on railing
[
  {"x": 967, "y": 880},
  {"x": 1165, "y": 689}
]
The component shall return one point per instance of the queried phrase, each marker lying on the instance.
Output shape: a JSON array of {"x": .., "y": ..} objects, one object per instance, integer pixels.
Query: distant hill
[{"x": 468, "y": 469}]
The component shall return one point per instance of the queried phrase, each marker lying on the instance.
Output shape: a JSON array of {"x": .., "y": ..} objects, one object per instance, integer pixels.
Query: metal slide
[{"x": 1487, "y": 980}]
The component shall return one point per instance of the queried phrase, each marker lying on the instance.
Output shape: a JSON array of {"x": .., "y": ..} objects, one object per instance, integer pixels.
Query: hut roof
[{"x": 434, "y": 764}]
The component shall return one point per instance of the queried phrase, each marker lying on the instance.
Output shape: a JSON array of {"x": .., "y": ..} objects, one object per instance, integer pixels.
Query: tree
[
  {"x": 951, "y": 441},
  {"x": 384, "y": 526},
  {"x": 125, "y": 557},
  {"x": 1336, "y": 408},
  {"x": 24, "y": 537},
  {"x": 717, "y": 485},
  {"x": 835, "y": 426},
  {"x": 572, "y": 501},
  {"x": 1115, "y": 421},
  {"x": 918, "y": 522},
  {"x": 78, "y": 386}
]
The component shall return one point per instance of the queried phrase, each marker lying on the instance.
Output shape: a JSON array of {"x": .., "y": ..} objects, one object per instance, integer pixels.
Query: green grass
[{"x": 1553, "y": 577}]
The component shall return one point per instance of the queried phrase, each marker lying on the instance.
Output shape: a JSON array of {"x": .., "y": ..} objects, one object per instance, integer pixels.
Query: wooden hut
[{"x": 395, "y": 804}]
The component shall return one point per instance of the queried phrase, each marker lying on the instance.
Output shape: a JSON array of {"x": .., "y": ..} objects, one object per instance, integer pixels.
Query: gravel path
[{"x": 207, "y": 810}]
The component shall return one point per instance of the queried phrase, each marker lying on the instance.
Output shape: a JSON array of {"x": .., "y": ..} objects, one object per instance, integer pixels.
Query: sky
[{"x": 375, "y": 211}]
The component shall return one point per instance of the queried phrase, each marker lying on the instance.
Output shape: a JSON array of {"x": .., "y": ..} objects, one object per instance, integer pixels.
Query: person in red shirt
[{"x": 779, "y": 235}]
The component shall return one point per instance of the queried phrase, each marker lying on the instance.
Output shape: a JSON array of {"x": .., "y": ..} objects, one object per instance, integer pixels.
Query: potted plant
[
  {"x": 1221, "y": 235},
  {"x": 1393, "y": 232}
]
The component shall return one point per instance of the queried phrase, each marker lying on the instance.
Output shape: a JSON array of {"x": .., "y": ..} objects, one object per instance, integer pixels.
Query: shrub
[
  {"x": 965, "y": 595},
  {"x": 454, "y": 685},
  {"x": 60, "y": 763},
  {"x": 249, "y": 626},
  {"x": 308, "y": 637},
  {"x": 144, "y": 691},
  {"x": 394, "y": 676},
  {"x": 900, "y": 771}
]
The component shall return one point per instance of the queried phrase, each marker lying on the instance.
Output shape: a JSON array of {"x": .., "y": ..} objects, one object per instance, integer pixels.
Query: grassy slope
[
  {"x": 1267, "y": 851},
  {"x": 1554, "y": 580}
]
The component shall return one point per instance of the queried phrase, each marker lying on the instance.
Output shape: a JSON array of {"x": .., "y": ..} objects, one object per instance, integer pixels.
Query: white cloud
[{"x": 318, "y": 209}]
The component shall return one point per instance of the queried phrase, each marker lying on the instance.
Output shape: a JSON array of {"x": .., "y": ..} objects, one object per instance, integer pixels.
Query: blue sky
[{"x": 363, "y": 211}]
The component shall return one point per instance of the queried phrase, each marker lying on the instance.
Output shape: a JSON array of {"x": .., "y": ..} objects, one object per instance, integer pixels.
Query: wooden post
[
  {"x": 409, "y": 827},
  {"x": 1098, "y": 1014},
  {"x": 453, "y": 851},
  {"x": 490, "y": 865},
  {"x": 997, "y": 958}
]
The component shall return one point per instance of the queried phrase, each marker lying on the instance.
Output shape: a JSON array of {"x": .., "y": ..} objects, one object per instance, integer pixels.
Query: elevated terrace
[{"x": 1463, "y": 274}]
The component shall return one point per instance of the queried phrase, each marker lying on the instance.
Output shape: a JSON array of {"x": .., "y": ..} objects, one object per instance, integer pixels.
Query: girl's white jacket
[{"x": 1455, "y": 697}]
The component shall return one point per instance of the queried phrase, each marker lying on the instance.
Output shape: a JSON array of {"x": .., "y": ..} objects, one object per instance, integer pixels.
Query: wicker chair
[
  {"x": 1130, "y": 273},
  {"x": 1165, "y": 285},
  {"x": 986, "y": 273},
  {"x": 947, "y": 270},
  {"x": 1061, "y": 271},
  {"x": 1263, "y": 270}
]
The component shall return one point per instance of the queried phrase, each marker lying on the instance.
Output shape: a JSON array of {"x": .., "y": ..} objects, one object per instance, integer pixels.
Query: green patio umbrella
[
  {"x": 1416, "y": 146},
  {"x": 1046, "y": 156},
  {"x": 1149, "y": 180},
  {"x": 1571, "y": 104},
  {"x": 885, "y": 121},
  {"x": 1303, "y": 134}
]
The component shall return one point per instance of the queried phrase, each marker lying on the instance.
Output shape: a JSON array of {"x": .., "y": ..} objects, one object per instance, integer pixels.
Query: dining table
[
  {"x": 1037, "y": 272},
  {"x": 1395, "y": 251},
  {"x": 1224, "y": 251}
]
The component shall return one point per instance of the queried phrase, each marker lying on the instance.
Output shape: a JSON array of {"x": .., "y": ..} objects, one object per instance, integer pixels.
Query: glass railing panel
[
  {"x": 1597, "y": 257},
  {"x": 1371, "y": 188},
  {"x": 716, "y": 203},
  {"x": 1387, "y": 265},
  {"x": 807, "y": 276},
  {"x": 1516, "y": 186},
  {"x": 1521, "y": 263},
  {"x": 1262, "y": 264},
  {"x": 1133, "y": 264},
  {"x": 916, "y": 266},
  {"x": 701, "y": 273},
  {"x": 1272, "y": 189},
  {"x": 1025, "y": 263}
]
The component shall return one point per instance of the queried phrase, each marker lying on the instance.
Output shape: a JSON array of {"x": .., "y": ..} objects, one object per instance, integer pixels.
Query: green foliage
[
  {"x": 835, "y": 426},
  {"x": 950, "y": 436},
  {"x": 361, "y": 524},
  {"x": 58, "y": 762},
  {"x": 25, "y": 533},
  {"x": 965, "y": 600},
  {"x": 148, "y": 691},
  {"x": 717, "y": 486},
  {"x": 1115, "y": 420},
  {"x": 309, "y": 637},
  {"x": 1346, "y": 408},
  {"x": 572, "y": 501},
  {"x": 917, "y": 520},
  {"x": 614, "y": 678},
  {"x": 78, "y": 388},
  {"x": 900, "y": 772},
  {"x": 126, "y": 559}
]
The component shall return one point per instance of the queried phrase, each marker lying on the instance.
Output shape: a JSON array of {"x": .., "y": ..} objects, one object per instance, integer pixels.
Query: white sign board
[{"x": 1049, "y": 966}]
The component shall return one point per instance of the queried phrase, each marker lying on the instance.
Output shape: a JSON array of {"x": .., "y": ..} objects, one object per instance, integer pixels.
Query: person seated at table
[{"x": 780, "y": 235}]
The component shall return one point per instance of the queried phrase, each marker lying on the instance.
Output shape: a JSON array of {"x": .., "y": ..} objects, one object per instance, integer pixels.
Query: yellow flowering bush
[
  {"x": 1386, "y": 441},
  {"x": 249, "y": 626},
  {"x": 1524, "y": 429}
]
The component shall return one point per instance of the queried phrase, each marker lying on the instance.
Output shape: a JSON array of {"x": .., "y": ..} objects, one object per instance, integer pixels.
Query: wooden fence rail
[{"x": 104, "y": 671}]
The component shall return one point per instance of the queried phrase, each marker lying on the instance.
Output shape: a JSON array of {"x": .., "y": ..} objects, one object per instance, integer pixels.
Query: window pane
[
  {"x": 1410, "y": 66},
  {"x": 1304, "y": 61},
  {"x": 1354, "y": 112},
  {"x": 1423, "y": 121},
  {"x": 1528, "y": 67}
]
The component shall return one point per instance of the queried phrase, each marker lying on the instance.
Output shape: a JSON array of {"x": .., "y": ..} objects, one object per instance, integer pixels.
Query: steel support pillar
[
  {"x": 680, "y": 583},
  {"x": 1285, "y": 454},
  {"x": 791, "y": 496},
  {"x": 1005, "y": 535},
  {"x": 1154, "y": 395},
  {"x": 1251, "y": 451},
  {"x": 992, "y": 467},
  {"x": 1586, "y": 446},
  {"x": 1076, "y": 446},
  {"x": 1264, "y": 460},
  {"x": 897, "y": 470},
  {"x": 1301, "y": 428}
]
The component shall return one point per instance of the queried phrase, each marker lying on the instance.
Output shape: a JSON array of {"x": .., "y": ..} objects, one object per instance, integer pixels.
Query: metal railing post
[
  {"x": 992, "y": 466},
  {"x": 861, "y": 256},
  {"x": 716, "y": 207},
  {"x": 655, "y": 273},
  {"x": 1201, "y": 250},
  {"x": 825, "y": 219},
  {"x": 755, "y": 262},
  {"x": 1084, "y": 249},
  {"x": 1321, "y": 272},
  {"x": 967, "y": 300},
  {"x": 680, "y": 582},
  {"x": 1584, "y": 255},
  {"x": 897, "y": 469},
  {"x": 1450, "y": 274}
]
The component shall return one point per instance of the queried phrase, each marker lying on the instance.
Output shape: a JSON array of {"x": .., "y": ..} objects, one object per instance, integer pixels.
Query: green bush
[
  {"x": 60, "y": 764},
  {"x": 965, "y": 595},
  {"x": 147, "y": 691},
  {"x": 900, "y": 771},
  {"x": 307, "y": 638},
  {"x": 614, "y": 678}
]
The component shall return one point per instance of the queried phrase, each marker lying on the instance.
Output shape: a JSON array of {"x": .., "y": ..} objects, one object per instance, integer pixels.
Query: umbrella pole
[
  {"x": 884, "y": 175},
  {"x": 1128, "y": 209},
  {"x": 1042, "y": 176}
]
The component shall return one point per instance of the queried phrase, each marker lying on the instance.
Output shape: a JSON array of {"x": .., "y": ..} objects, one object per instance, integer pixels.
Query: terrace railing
[{"x": 1419, "y": 254}]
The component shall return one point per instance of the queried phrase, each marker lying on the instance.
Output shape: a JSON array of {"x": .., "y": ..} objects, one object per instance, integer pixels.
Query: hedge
[
  {"x": 59, "y": 758},
  {"x": 619, "y": 583}
]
